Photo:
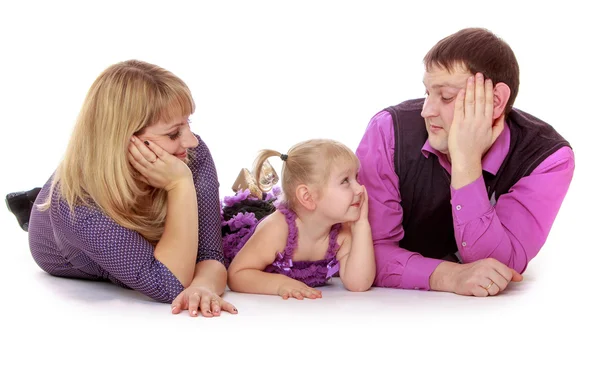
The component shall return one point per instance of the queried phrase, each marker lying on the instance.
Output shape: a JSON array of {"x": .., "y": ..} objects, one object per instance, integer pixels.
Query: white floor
[
  {"x": 272, "y": 74},
  {"x": 544, "y": 328}
]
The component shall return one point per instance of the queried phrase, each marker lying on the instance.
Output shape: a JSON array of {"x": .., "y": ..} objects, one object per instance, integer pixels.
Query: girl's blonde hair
[
  {"x": 125, "y": 99},
  {"x": 309, "y": 162}
]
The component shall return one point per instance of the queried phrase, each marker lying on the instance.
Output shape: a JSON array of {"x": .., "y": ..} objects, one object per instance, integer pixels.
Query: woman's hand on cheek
[{"x": 157, "y": 167}]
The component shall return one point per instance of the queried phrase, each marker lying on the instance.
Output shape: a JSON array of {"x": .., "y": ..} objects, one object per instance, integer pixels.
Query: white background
[{"x": 269, "y": 74}]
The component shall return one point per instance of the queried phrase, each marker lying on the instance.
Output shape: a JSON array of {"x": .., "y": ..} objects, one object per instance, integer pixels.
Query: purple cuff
[
  {"x": 469, "y": 202},
  {"x": 417, "y": 271}
]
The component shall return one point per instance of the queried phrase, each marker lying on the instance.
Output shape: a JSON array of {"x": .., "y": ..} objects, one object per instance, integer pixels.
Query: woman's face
[{"x": 175, "y": 137}]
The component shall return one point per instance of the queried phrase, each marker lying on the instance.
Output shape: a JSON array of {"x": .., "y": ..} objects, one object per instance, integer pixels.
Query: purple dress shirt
[{"x": 512, "y": 229}]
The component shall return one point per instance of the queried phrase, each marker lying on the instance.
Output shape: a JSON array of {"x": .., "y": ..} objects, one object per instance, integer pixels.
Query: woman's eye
[{"x": 175, "y": 135}]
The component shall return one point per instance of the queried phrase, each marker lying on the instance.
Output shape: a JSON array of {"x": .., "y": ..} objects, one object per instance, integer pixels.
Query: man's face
[{"x": 441, "y": 88}]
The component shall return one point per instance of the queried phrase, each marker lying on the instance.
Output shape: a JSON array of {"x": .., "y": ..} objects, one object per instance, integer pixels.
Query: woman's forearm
[
  {"x": 178, "y": 245},
  {"x": 210, "y": 274}
]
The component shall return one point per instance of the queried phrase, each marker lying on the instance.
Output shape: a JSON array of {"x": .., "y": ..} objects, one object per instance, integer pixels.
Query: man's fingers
[
  {"x": 498, "y": 280},
  {"x": 489, "y": 100},
  {"x": 459, "y": 105},
  {"x": 470, "y": 97},
  {"x": 516, "y": 277},
  {"x": 500, "y": 268},
  {"x": 493, "y": 288},
  {"x": 480, "y": 95},
  {"x": 479, "y": 291}
]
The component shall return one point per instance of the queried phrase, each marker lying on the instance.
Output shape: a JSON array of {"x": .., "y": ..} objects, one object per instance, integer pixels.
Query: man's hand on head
[{"x": 473, "y": 130}]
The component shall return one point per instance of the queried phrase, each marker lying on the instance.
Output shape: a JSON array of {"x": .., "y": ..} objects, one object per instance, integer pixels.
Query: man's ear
[
  {"x": 305, "y": 197},
  {"x": 501, "y": 96}
]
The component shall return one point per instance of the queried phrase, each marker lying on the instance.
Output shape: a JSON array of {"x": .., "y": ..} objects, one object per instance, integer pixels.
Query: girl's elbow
[
  {"x": 232, "y": 281},
  {"x": 358, "y": 286}
]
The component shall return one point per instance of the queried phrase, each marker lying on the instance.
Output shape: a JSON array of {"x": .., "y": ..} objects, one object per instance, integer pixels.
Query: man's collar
[{"x": 491, "y": 161}]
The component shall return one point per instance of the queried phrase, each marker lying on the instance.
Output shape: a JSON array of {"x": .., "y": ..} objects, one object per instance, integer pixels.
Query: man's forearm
[
  {"x": 465, "y": 171},
  {"x": 441, "y": 278},
  {"x": 403, "y": 269}
]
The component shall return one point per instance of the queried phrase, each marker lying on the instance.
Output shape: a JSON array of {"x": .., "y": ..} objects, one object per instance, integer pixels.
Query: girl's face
[
  {"x": 340, "y": 198},
  {"x": 175, "y": 136}
]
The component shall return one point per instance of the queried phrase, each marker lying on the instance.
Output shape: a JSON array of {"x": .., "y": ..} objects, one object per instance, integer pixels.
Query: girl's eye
[
  {"x": 345, "y": 180},
  {"x": 447, "y": 100},
  {"x": 175, "y": 135}
]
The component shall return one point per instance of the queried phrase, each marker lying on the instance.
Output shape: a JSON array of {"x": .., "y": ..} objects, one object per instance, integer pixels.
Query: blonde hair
[
  {"x": 308, "y": 162},
  {"x": 125, "y": 99}
]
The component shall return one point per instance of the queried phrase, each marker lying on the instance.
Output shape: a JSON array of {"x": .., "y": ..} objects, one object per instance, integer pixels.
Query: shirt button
[
  {"x": 464, "y": 244},
  {"x": 458, "y": 207}
]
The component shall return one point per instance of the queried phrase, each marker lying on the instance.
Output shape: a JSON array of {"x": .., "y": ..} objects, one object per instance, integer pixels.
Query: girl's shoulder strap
[
  {"x": 333, "y": 245},
  {"x": 292, "y": 239}
]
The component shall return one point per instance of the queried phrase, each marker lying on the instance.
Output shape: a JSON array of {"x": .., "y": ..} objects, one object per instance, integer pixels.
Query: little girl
[{"x": 320, "y": 227}]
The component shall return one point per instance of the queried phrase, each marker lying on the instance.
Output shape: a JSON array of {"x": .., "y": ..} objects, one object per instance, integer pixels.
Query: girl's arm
[
  {"x": 246, "y": 273},
  {"x": 356, "y": 255}
]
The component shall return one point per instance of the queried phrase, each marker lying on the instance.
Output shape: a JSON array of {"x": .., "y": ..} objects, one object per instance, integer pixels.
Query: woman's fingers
[
  {"x": 228, "y": 307},
  {"x": 144, "y": 150},
  {"x": 215, "y": 306},
  {"x": 156, "y": 150},
  {"x": 194, "y": 303}
]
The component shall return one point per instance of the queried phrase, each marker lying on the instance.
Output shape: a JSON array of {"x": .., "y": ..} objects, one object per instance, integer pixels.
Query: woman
[{"x": 135, "y": 200}]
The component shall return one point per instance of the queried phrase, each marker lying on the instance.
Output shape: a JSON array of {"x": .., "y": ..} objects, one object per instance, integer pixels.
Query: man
[{"x": 463, "y": 188}]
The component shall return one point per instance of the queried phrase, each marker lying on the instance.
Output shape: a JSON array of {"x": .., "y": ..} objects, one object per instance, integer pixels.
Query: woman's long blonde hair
[
  {"x": 126, "y": 98},
  {"x": 308, "y": 162}
]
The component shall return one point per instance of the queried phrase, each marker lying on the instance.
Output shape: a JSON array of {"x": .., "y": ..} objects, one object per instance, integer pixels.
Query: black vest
[{"x": 425, "y": 184}]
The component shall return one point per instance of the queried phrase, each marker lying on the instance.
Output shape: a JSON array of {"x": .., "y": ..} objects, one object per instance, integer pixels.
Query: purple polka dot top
[{"x": 90, "y": 245}]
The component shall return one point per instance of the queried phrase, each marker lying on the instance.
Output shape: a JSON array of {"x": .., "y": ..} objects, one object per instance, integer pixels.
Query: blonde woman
[{"x": 135, "y": 199}]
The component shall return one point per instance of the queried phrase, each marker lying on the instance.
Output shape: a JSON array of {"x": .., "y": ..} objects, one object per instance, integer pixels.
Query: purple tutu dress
[{"x": 241, "y": 225}]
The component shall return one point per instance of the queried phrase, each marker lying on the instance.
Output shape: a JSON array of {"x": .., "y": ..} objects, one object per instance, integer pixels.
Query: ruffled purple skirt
[{"x": 240, "y": 214}]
